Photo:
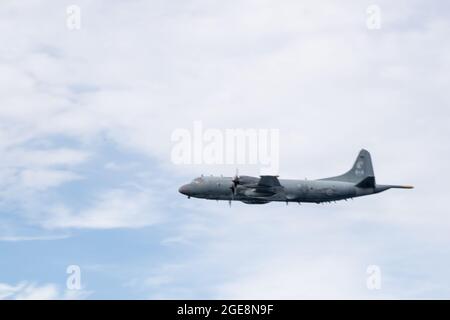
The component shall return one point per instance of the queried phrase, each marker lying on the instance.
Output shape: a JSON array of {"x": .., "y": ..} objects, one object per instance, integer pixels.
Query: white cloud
[
  {"x": 16, "y": 238},
  {"x": 112, "y": 209},
  {"x": 298, "y": 252},
  {"x": 43, "y": 179},
  {"x": 290, "y": 277},
  {"x": 32, "y": 291},
  {"x": 8, "y": 290},
  {"x": 34, "y": 170},
  {"x": 277, "y": 58},
  {"x": 48, "y": 157}
]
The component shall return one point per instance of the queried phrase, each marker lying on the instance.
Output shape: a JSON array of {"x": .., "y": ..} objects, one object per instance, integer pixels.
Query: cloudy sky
[{"x": 86, "y": 117}]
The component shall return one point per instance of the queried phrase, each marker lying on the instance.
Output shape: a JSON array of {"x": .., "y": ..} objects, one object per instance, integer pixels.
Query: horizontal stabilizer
[{"x": 368, "y": 182}]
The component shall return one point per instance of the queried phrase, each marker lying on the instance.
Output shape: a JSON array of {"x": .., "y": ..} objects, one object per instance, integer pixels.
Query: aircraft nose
[{"x": 184, "y": 189}]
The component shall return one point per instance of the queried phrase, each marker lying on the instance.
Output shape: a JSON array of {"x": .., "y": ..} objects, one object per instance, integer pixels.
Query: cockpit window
[{"x": 197, "y": 180}]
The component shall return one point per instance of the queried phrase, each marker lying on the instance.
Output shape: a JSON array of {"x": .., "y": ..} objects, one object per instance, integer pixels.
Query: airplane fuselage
[{"x": 316, "y": 191}]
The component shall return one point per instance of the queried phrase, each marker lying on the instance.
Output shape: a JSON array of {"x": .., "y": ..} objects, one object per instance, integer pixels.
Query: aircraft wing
[{"x": 269, "y": 181}]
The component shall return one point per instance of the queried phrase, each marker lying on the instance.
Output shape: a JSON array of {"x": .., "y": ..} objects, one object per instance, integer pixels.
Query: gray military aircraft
[{"x": 358, "y": 181}]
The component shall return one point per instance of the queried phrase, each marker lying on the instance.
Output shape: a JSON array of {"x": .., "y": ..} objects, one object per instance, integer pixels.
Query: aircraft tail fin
[{"x": 361, "y": 173}]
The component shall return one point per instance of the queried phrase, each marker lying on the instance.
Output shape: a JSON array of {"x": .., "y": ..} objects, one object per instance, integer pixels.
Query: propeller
[{"x": 235, "y": 182}]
